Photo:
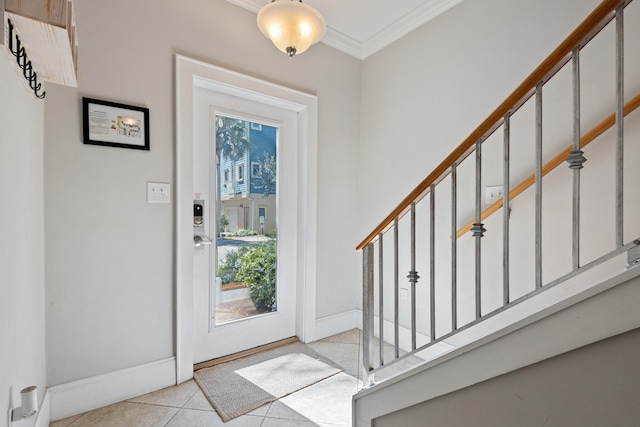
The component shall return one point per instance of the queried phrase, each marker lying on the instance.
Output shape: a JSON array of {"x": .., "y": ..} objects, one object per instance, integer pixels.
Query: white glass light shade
[{"x": 292, "y": 26}]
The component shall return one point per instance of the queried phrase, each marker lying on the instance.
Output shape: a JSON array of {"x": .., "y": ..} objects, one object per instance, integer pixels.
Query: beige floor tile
[
  {"x": 261, "y": 411},
  {"x": 328, "y": 401},
  {"x": 345, "y": 355},
  {"x": 126, "y": 414},
  {"x": 65, "y": 422},
  {"x": 195, "y": 418},
  {"x": 176, "y": 396},
  {"x": 281, "y": 411},
  {"x": 199, "y": 401},
  {"x": 348, "y": 337},
  {"x": 277, "y": 422},
  {"x": 243, "y": 421}
]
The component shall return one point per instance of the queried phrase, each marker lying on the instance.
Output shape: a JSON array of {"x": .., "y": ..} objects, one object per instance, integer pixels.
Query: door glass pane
[{"x": 246, "y": 246}]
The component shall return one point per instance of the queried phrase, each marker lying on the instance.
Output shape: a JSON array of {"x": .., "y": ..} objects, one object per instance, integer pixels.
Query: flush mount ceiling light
[{"x": 291, "y": 25}]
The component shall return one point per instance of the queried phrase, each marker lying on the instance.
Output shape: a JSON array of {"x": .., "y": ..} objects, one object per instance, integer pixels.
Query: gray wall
[
  {"x": 597, "y": 385},
  {"x": 22, "y": 292},
  {"x": 110, "y": 259},
  {"x": 425, "y": 93}
]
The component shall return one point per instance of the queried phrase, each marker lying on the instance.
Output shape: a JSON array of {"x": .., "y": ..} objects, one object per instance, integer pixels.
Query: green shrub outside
[
  {"x": 224, "y": 221},
  {"x": 257, "y": 266},
  {"x": 228, "y": 268}
]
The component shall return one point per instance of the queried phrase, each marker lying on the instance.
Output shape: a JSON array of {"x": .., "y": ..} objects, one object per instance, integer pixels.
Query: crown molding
[
  {"x": 343, "y": 43},
  {"x": 403, "y": 26},
  {"x": 398, "y": 29},
  {"x": 253, "y": 6}
]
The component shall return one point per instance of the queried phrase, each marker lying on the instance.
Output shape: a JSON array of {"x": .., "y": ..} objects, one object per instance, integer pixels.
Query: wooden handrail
[
  {"x": 588, "y": 137},
  {"x": 604, "y": 11}
]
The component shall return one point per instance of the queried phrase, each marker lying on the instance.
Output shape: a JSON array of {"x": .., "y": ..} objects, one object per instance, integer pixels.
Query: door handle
[{"x": 201, "y": 241}]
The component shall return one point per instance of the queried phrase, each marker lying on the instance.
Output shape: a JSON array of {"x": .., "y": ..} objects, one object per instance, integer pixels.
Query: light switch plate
[{"x": 158, "y": 192}]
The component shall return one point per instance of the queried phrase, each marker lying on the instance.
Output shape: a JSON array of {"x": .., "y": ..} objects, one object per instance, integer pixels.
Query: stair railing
[{"x": 388, "y": 230}]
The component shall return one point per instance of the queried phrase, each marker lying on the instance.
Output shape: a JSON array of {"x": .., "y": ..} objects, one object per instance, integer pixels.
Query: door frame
[{"x": 189, "y": 73}]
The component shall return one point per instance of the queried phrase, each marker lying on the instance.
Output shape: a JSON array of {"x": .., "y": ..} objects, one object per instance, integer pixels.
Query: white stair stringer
[{"x": 579, "y": 312}]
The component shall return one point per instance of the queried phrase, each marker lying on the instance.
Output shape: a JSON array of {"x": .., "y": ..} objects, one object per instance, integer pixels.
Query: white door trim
[{"x": 190, "y": 72}]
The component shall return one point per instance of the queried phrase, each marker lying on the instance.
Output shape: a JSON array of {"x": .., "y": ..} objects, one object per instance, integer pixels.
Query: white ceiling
[{"x": 362, "y": 27}]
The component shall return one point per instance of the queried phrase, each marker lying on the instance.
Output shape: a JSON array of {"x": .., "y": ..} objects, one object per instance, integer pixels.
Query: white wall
[
  {"x": 22, "y": 306},
  {"x": 423, "y": 95},
  {"x": 110, "y": 273}
]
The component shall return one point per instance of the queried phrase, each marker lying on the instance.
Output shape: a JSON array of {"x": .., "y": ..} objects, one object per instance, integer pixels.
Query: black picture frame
[{"x": 115, "y": 125}]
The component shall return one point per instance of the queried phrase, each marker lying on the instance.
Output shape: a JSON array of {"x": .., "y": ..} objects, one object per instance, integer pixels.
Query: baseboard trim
[
  {"x": 337, "y": 323},
  {"x": 43, "y": 419},
  {"x": 91, "y": 393}
]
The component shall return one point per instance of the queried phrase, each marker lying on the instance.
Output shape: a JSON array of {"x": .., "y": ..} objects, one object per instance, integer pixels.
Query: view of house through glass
[{"x": 245, "y": 215}]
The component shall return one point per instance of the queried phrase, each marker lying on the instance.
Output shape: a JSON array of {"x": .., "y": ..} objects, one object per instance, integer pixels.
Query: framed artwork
[{"x": 115, "y": 125}]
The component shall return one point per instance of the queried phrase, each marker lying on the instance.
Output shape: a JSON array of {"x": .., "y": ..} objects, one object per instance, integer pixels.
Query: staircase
[{"x": 470, "y": 285}]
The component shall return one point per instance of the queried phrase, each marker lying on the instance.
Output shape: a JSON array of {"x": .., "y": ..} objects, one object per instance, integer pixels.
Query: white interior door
[{"x": 214, "y": 338}]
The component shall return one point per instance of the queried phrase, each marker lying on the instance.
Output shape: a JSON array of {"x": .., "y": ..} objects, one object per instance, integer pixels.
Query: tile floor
[{"x": 325, "y": 404}]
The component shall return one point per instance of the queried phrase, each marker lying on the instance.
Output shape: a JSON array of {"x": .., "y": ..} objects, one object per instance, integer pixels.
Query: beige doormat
[{"x": 237, "y": 387}]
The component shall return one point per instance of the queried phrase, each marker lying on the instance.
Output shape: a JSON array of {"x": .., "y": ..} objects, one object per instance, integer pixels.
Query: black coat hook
[{"x": 24, "y": 63}]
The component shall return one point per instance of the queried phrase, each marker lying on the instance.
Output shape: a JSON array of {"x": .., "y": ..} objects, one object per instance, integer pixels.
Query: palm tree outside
[{"x": 232, "y": 142}]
